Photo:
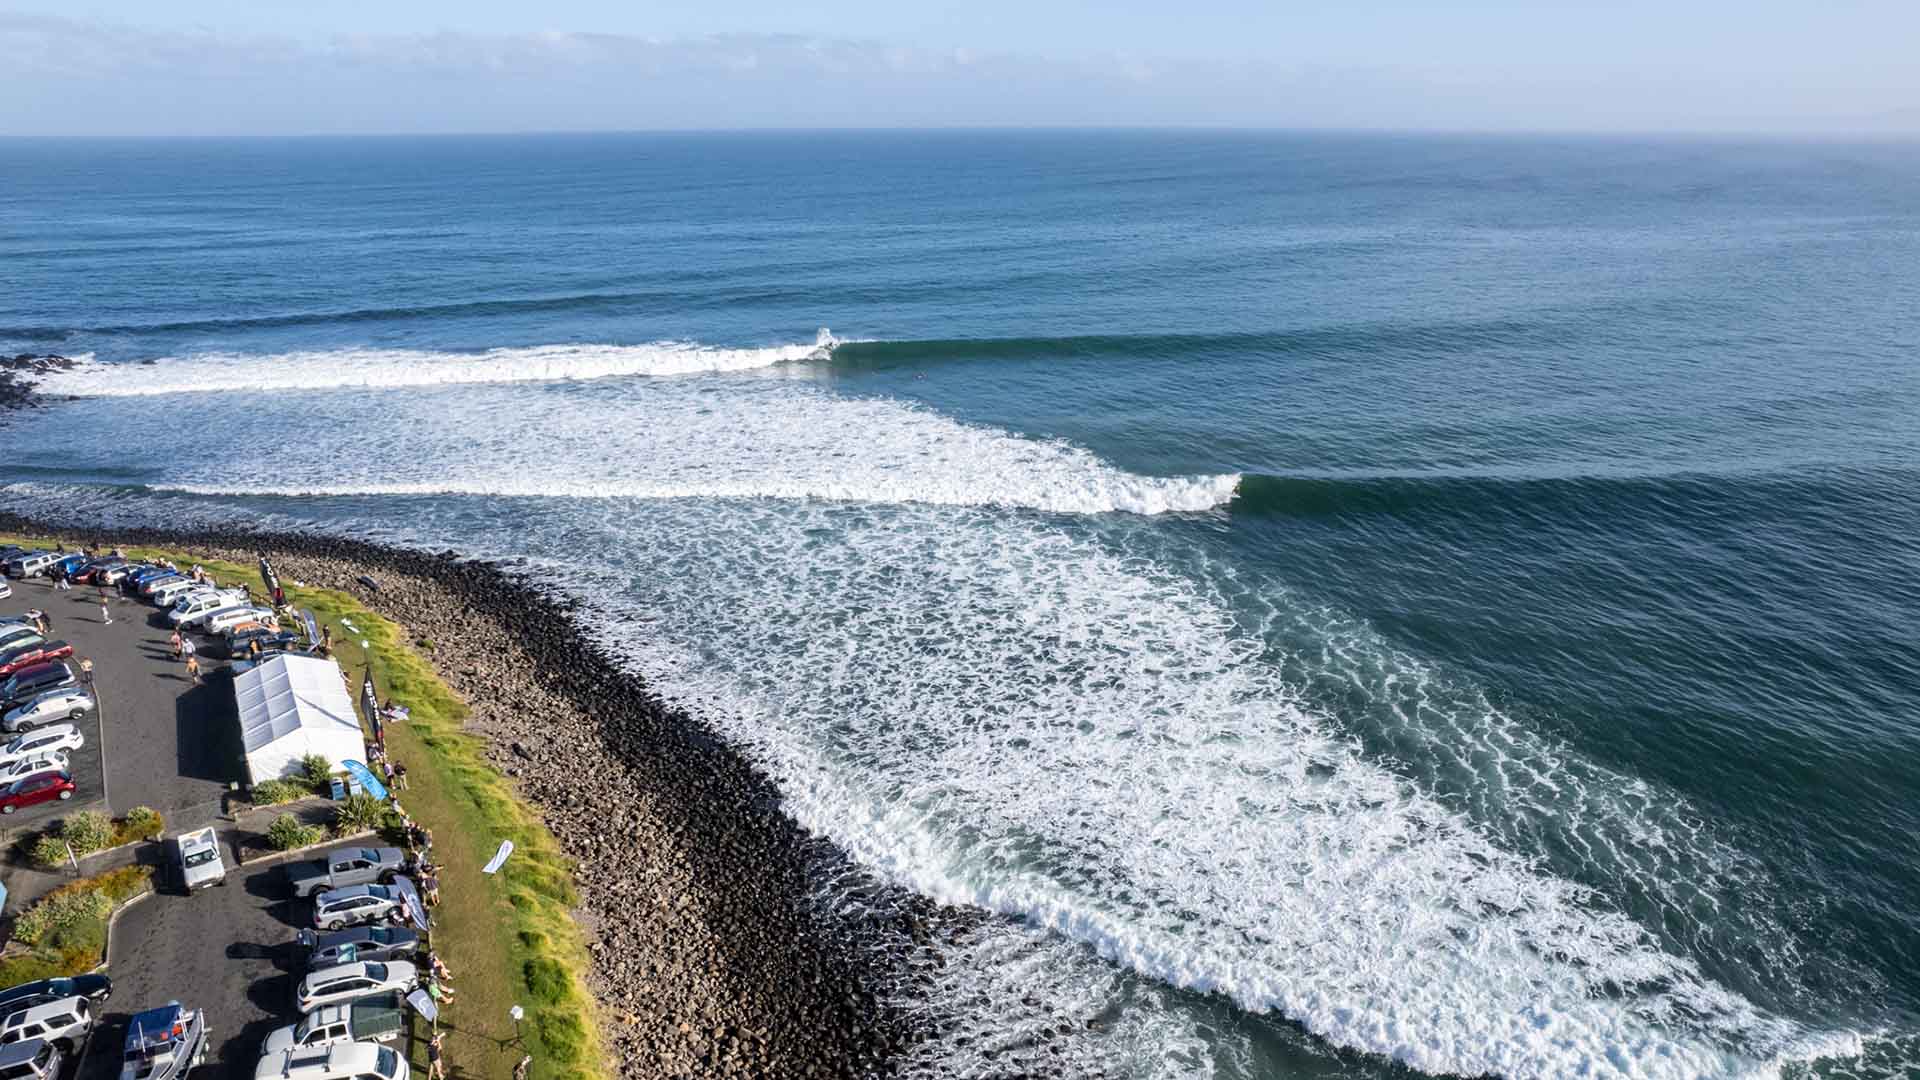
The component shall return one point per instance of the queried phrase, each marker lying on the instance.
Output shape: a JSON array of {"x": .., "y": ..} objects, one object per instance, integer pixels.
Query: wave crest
[{"x": 334, "y": 369}]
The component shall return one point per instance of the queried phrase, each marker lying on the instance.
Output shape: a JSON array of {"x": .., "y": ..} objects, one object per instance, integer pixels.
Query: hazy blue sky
[{"x": 224, "y": 66}]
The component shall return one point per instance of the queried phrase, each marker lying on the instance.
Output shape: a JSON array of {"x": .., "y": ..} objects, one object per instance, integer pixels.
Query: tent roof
[{"x": 293, "y": 696}]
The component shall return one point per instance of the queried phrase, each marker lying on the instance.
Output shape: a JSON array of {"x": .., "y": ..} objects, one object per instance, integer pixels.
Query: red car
[
  {"x": 36, "y": 789},
  {"x": 28, "y": 655}
]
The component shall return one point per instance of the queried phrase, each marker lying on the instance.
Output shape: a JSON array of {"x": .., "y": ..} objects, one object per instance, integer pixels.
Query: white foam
[
  {"x": 678, "y": 440},
  {"x": 392, "y": 368}
]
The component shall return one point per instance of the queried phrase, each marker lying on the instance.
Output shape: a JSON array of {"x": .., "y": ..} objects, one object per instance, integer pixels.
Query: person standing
[
  {"x": 436, "y": 1068},
  {"x": 106, "y": 615},
  {"x": 86, "y": 670},
  {"x": 174, "y": 640}
]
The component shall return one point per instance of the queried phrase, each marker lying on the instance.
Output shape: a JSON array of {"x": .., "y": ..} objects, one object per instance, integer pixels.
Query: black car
[
  {"x": 95, "y": 988},
  {"x": 238, "y": 646},
  {"x": 28, "y": 683},
  {"x": 361, "y": 944}
]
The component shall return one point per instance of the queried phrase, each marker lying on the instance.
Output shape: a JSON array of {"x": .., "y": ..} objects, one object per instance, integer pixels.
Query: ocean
[{"x": 1354, "y": 605}]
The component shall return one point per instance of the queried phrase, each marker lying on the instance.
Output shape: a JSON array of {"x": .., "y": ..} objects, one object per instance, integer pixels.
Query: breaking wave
[{"x": 387, "y": 368}]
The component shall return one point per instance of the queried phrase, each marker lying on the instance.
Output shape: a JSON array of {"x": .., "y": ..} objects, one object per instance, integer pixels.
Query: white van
[
  {"x": 340, "y": 1061},
  {"x": 228, "y": 618},
  {"x": 188, "y": 611}
]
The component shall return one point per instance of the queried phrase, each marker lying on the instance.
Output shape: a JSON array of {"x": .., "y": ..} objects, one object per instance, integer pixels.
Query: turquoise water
[{"x": 1355, "y": 604}]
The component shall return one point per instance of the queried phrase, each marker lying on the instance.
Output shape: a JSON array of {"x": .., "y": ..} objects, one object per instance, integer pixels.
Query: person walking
[
  {"x": 193, "y": 669},
  {"x": 106, "y": 614},
  {"x": 174, "y": 640},
  {"x": 39, "y": 620}
]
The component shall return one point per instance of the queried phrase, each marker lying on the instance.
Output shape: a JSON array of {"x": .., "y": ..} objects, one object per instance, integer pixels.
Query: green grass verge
[{"x": 510, "y": 939}]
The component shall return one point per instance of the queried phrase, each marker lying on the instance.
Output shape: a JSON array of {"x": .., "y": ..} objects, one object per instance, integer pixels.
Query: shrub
[
  {"x": 141, "y": 823},
  {"x": 317, "y": 771},
  {"x": 275, "y": 792},
  {"x": 88, "y": 831},
  {"x": 59, "y": 911},
  {"x": 49, "y": 851},
  {"x": 359, "y": 813},
  {"x": 124, "y": 883},
  {"x": 288, "y": 832}
]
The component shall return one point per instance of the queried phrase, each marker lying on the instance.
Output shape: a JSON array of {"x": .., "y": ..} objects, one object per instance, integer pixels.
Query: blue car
[{"x": 67, "y": 564}]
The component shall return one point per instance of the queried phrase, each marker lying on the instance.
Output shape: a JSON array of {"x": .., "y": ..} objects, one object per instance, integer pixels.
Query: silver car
[{"x": 55, "y": 706}]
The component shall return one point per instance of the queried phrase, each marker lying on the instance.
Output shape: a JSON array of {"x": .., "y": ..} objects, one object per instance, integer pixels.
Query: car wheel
[
  {"x": 23, "y": 727},
  {"x": 76, "y": 714},
  {"x": 6, "y": 809},
  {"x": 65, "y": 795}
]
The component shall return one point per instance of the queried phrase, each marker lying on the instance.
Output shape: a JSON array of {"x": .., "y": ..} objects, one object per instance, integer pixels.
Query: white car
[
  {"x": 170, "y": 593},
  {"x": 340, "y": 1061},
  {"x": 350, "y": 982},
  {"x": 228, "y": 618},
  {"x": 39, "y": 741},
  {"x": 64, "y": 1023},
  {"x": 29, "y": 766},
  {"x": 200, "y": 863},
  {"x": 188, "y": 609},
  {"x": 6, "y": 590},
  {"x": 51, "y": 707}
]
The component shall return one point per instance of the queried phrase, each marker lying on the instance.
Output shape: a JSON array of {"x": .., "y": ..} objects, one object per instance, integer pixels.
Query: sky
[{"x": 357, "y": 66}]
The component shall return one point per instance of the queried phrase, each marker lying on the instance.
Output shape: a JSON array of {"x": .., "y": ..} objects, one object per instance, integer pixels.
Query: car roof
[
  {"x": 35, "y": 1012},
  {"x": 17, "y": 1053},
  {"x": 57, "y": 730},
  {"x": 33, "y": 672}
]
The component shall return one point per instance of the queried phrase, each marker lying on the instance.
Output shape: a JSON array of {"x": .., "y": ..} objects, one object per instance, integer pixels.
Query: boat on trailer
[{"x": 164, "y": 1043}]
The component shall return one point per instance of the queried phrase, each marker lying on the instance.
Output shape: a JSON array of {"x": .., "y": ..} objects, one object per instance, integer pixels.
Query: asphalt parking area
[
  {"x": 159, "y": 740},
  {"x": 227, "y": 950}
]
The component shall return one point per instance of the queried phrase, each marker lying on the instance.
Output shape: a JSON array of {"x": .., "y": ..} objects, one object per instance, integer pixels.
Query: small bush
[
  {"x": 49, "y": 851},
  {"x": 141, "y": 823},
  {"x": 88, "y": 831},
  {"x": 59, "y": 911},
  {"x": 317, "y": 771},
  {"x": 124, "y": 883},
  {"x": 287, "y": 833},
  {"x": 275, "y": 792},
  {"x": 359, "y": 813}
]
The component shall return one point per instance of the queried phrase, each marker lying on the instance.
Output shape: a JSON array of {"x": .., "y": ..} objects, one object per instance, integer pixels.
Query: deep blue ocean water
[{"x": 1353, "y": 603}]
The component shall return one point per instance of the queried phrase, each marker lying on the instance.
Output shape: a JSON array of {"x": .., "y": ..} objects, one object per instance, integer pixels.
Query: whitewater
[{"x": 996, "y": 705}]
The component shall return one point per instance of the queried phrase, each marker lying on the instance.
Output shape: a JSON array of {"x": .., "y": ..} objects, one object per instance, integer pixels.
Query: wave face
[{"x": 393, "y": 368}]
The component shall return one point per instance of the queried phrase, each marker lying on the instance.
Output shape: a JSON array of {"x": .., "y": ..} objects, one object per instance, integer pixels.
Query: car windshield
[
  {"x": 377, "y": 972},
  {"x": 202, "y": 858},
  {"x": 388, "y": 1062}
]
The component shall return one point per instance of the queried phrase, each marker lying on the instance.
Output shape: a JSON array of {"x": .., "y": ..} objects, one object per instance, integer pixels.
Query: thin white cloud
[{"x": 69, "y": 76}]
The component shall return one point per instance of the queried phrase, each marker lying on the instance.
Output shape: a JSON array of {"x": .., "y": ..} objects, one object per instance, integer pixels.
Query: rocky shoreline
[
  {"x": 17, "y": 387},
  {"x": 715, "y": 951}
]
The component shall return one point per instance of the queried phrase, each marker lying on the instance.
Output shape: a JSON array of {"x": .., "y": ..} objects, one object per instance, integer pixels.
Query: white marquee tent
[{"x": 292, "y": 706}]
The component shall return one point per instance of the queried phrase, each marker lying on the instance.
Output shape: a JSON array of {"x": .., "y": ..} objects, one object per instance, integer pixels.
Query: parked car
[
  {"x": 15, "y": 634},
  {"x": 230, "y": 618},
  {"x": 95, "y": 988},
  {"x": 237, "y": 641},
  {"x": 84, "y": 573},
  {"x": 112, "y": 575},
  {"x": 145, "y": 572},
  {"x": 198, "y": 854},
  {"x": 359, "y": 944},
  {"x": 149, "y": 584},
  {"x": 372, "y": 1019},
  {"x": 26, "y": 656},
  {"x": 34, "y": 790},
  {"x": 338, "y": 1061},
  {"x": 31, "y": 682},
  {"x": 356, "y": 904},
  {"x": 48, "y": 707},
  {"x": 167, "y": 593},
  {"x": 30, "y": 564},
  {"x": 6, "y": 590},
  {"x": 350, "y": 982},
  {"x": 45, "y": 761},
  {"x": 31, "y": 1059},
  {"x": 342, "y": 867},
  {"x": 65, "y": 564},
  {"x": 189, "y": 611},
  {"x": 64, "y": 1023},
  {"x": 45, "y": 740}
]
